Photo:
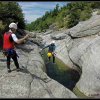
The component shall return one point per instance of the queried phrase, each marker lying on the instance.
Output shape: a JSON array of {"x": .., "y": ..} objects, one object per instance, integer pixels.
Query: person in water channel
[{"x": 51, "y": 50}]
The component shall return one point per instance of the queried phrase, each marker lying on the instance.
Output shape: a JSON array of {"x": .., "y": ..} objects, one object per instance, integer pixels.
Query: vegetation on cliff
[{"x": 64, "y": 17}]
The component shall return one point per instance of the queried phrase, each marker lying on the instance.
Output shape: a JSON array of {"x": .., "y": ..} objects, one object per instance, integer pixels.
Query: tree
[
  {"x": 11, "y": 12},
  {"x": 67, "y": 16}
]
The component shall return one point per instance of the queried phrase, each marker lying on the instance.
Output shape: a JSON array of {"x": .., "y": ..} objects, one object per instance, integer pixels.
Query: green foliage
[
  {"x": 43, "y": 23},
  {"x": 98, "y": 13},
  {"x": 73, "y": 19},
  {"x": 11, "y": 12},
  {"x": 79, "y": 93},
  {"x": 86, "y": 14},
  {"x": 2, "y": 27},
  {"x": 67, "y": 16},
  {"x": 60, "y": 19},
  {"x": 95, "y": 5}
]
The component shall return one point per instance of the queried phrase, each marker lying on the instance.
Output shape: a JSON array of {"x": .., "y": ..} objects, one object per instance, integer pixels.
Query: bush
[
  {"x": 98, "y": 12},
  {"x": 86, "y": 14},
  {"x": 2, "y": 27}
]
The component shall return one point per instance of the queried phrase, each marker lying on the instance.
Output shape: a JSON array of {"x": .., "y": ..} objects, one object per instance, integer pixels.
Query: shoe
[
  {"x": 9, "y": 70},
  {"x": 54, "y": 63},
  {"x": 18, "y": 69}
]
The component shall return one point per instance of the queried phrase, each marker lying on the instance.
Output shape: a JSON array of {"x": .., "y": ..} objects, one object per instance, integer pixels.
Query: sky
[{"x": 34, "y": 10}]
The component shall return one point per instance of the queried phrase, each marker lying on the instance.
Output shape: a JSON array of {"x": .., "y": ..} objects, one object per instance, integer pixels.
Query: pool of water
[{"x": 61, "y": 72}]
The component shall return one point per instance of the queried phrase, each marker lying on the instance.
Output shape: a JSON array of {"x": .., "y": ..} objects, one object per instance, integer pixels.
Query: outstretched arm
[
  {"x": 18, "y": 41},
  {"x": 45, "y": 47}
]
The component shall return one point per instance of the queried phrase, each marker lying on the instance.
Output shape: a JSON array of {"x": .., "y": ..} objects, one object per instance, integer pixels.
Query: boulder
[
  {"x": 31, "y": 81},
  {"x": 59, "y": 36},
  {"x": 86, "y": 28},
  {"x": 86, "y": 55},
  {"x": 80, "y": 49}
]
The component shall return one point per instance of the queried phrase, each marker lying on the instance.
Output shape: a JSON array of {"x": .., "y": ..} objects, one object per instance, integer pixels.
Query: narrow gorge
[{"x": 75, "y": 74}]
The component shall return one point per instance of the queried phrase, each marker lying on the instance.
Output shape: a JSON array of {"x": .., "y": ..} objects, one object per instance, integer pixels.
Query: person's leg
[
  {"x": 15, "y": 61},
  {"x": 8, "y": 63},
  {"x": 49, "y": 58},
  {"x": 53, "y": 58}
]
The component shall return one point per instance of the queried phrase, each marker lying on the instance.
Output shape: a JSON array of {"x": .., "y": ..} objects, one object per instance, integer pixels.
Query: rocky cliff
[
  {"x": 79, "y": 48},
  {"x": 32, "y": 81}
]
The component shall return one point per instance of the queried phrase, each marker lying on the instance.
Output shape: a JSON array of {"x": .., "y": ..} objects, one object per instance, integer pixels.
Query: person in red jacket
[{"x": 8, "y": 45}]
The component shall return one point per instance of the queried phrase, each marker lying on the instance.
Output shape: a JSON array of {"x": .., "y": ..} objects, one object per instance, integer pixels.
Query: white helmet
[
  {"x": 52, "y": 42},
  {"x": 13, "y": 25}
]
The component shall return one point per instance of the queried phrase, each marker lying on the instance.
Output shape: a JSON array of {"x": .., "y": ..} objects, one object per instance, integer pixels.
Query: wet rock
[{"x": 31, "y": 81}]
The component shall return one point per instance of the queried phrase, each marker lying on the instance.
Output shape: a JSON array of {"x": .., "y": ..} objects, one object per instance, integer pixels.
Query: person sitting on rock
[
  {"x": 51, "y": 50},
  {"x": 9, "y": 39}
]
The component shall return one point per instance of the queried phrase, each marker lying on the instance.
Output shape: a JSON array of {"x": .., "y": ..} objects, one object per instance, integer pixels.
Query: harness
[{"x": 10, "y": 52}]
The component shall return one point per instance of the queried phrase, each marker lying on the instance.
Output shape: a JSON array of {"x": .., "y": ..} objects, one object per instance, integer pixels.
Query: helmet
[
  {"x": 52, "y": 42},
  {"x": 49, "y": 54},
  {"x": 13, "y": 25}
]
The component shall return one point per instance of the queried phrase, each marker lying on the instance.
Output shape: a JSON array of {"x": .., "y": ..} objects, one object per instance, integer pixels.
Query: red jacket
[{"x": 7, "y": 44}]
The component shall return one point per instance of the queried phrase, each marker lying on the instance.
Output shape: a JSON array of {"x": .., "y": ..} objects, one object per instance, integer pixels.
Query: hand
[
  {"x": 54, "y": 53},
  {"x": 24, "y": 41},
  {"x": 40, "y": 50},
  {"x": 27, "y": 36}
]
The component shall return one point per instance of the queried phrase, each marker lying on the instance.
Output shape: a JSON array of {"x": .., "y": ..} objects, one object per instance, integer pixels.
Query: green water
[
  {"x": 79, "y": 93},
  {"x": 61, "y": 72}
]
